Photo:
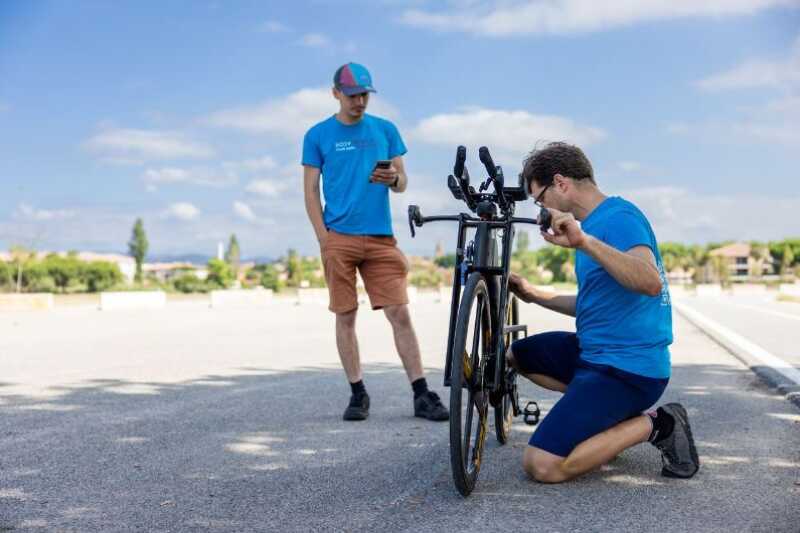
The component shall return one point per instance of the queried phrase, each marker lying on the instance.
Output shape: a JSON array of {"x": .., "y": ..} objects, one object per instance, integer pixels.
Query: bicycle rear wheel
[
  {"x": 504, "y": 411},
  {"x": 469, "y": 401}
]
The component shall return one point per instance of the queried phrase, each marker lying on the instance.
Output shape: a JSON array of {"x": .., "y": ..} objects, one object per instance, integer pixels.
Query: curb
[{"x": 789, "y": 389}]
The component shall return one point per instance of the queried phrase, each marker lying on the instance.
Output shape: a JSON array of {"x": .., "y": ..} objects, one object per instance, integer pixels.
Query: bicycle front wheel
[{"x": 469, "y": 401}]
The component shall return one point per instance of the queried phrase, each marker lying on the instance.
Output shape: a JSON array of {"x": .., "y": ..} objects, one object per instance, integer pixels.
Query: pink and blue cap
[{"x": 353, "y": 78}]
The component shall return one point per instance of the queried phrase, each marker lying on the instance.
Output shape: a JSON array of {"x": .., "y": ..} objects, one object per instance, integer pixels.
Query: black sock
[
  {"x": 663, "y": 424},
  {"x": 358, "y": 388},
  {"x": 420, "y": 387}
]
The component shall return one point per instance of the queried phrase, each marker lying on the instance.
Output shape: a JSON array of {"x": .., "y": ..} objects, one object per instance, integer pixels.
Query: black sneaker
[
  {"x": 678, "y": 452},
  {"x": 358, "y": 408},
  {"x": 428, "y": 405}
]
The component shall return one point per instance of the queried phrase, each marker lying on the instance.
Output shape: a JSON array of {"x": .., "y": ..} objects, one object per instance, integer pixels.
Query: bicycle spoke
[{"x": 468, "y": 423}]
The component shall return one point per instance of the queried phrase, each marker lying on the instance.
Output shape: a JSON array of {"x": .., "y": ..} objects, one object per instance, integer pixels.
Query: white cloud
[
  {"x": 244, "y": 211},
  {"x": 773, "y": 122},
  {"x": 132, "y": 145},
  {"x": 181, "y": 211},
  {"x": 254, "y": 164},
  {"x": 274, "y": 26},
  {"x": 758, "y": 73},
  {"x": 28, "y": 212},
  {"x": 267, "y": 188},
  {"x": 508, "y": 132},
  {"x": 630, "y": 166},
  {"x": 192, "y": 176},
  {"x": 315, "y": 40},
  {"x": 291, "y": 116},
  {"x": 507, "y": 18},
  {"x": 679, "y": 214}
]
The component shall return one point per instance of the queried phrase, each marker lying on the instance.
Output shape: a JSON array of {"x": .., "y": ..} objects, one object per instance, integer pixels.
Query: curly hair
[{"x": 542, "y": 164}]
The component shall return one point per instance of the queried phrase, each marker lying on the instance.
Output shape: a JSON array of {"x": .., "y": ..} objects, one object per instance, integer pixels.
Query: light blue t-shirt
[
  {"x": 346, "y": 155},
  {"x": 616, "y": 326}
]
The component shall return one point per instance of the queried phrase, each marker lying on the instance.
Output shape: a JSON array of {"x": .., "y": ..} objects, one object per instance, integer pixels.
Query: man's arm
[
  {"x": 560, "y": 303},
  {"x": 387, "y": 175},
  {"x": 313, "y": 202},
  {"x": 634, "y": 269}
]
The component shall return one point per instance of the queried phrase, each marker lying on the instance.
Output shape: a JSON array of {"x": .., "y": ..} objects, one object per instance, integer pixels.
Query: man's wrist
[{"x": 585, "y": 243}]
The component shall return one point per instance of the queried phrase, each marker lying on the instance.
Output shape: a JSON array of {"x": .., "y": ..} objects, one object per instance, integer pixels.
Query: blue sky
[{"x": 191, "y": 114}]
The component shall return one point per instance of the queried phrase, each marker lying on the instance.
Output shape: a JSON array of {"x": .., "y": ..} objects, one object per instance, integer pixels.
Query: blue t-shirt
[
  {"x": 346, "y": 155},
  {"x": 616, "y": 326}
]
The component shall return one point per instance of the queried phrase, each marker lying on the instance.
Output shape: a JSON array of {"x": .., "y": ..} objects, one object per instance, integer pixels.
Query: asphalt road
[
  {"x": 192, "y": 419},
  {"x": 763, "y": 319}
]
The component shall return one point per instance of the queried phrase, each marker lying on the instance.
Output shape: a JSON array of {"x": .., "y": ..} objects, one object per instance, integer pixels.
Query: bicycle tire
[
  {"x": 466, "y": 374},
  {"x": 504, "y": 411}
]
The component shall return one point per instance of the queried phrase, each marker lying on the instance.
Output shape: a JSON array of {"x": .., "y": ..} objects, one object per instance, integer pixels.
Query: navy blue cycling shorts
[{"x": 597, "y": 398}]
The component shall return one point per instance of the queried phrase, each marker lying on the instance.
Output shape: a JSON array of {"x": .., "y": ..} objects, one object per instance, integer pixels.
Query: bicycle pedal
[{"x": 531, "y": 413}]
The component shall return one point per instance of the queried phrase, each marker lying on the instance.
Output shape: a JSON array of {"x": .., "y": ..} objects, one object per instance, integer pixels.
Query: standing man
[
  {"x": 355, "y": 231},
  {"x": 617, "y": 365}
]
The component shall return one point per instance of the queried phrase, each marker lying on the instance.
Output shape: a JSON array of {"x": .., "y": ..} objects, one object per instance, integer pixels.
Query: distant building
[
  {"x": 167, "y": 271},
  {"x": 741, "y": 262}
]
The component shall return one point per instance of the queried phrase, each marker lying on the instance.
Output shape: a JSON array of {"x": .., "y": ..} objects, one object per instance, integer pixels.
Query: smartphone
[{"x": 383, "y": 163}]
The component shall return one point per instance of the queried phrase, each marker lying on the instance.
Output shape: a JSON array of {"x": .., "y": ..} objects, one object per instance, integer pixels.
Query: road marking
[
  {"x": 768, "y": 311},
  {"x": 754, "y": 350}
]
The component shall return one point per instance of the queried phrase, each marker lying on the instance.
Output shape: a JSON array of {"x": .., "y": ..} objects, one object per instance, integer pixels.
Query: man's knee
[
  {"x": 542, "y": 466},
  {"x": 510, "y": 359},
  {"x": 398, "y": 315},
  {"x": 346, "y": 320}
]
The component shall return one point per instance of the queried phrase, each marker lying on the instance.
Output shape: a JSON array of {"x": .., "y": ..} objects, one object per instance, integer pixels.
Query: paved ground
[
  {"x": 763, "y": 319},
  {"x": 196, "y": 419}
]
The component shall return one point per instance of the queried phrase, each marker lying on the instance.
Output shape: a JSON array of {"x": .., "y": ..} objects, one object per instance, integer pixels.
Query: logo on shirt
[
  {"x": 355, "y": 144},
  {"x": 665, "y": 299},
  {"x": 345, "y": 146}
]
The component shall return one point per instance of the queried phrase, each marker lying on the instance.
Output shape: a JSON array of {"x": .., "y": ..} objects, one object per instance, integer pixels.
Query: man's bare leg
[
  {"x": 347, "y": 344},
  {"x": 590, "y": 454},
  {"x": 405, "y": 340},
  {"x": 542, "y": 380}
]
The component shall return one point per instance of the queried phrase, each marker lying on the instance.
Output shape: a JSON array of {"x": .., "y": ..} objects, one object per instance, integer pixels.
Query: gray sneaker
[{"x": 678, "y": 453}]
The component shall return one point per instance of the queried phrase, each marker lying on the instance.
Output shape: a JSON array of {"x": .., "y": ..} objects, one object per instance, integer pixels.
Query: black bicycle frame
[
  {"x": 495, "y": 274},
  {"x": 483, "y": 256}
]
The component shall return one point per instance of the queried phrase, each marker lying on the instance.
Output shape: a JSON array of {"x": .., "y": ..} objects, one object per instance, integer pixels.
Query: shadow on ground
[{"x": 267, "y": 450}]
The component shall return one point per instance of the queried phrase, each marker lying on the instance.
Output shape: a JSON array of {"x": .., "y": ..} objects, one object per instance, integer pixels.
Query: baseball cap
[{"x": 352, "y": 78}]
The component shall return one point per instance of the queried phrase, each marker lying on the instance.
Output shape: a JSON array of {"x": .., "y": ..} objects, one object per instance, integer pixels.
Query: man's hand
[
  {"x": 566, "y": 230},
  {"x": 387, "y": 176},
  {"x": 517, "y": 284}
]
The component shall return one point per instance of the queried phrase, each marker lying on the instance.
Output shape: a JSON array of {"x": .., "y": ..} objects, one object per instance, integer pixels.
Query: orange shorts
[{"x": 382, "y": 265}]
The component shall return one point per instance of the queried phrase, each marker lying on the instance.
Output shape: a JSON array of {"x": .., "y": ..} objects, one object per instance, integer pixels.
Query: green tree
[
  {"x": 220, "y": 274},
  {"x": 270, "y": 278},
  {"x": 64, "y": 271},
  {"x": 101, "y": 275},
  {"x": 553, "y": 258},
  {"x": 189, "y": 282},
  {"x": 294, "y": 268},
  {"x": 232, "y": 255},
  {"x": 6, "y": 276},
  {"x": 787, "y": 260},
  {"x": 21, "y": 257},
  {"x": 446, "y": 261},
  {"x": 137, "y": 247}
]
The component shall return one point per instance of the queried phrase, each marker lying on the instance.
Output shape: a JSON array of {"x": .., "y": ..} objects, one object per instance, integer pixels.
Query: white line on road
[
  {"x": 754, "y": 350},
  {"x": 767, "y": 311}
]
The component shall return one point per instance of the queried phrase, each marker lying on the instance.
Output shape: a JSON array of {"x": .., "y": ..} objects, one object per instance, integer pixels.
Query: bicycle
[{"x": 483, "y": 319}]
